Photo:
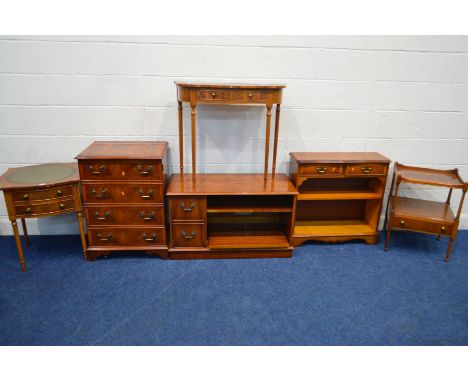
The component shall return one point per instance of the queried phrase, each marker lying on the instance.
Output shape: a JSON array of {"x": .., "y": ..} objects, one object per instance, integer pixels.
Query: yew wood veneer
[
  {"x": 215, "y": 216},
  {"x": 425, "y": 216},
  {"x": 340, "y": 195},
  {"x": 229, "y": 94},
  {"x": 123, "y": 186}
]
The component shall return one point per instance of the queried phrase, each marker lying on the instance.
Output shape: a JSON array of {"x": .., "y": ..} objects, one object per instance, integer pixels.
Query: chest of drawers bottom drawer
[{"x": 126, "y": 237}]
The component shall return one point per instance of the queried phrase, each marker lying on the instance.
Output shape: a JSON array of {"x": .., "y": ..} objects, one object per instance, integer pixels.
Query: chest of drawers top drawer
[{"x": 120, "y": 170}]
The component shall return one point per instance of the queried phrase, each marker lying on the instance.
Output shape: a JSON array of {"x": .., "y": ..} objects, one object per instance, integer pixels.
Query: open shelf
[
  {"x": 339, "y": 194},
  {"x": 333, "y": 228},
  {"x": 426, "y": 209},
  {"x": 229, "y": 236},
  {"x": 340, "y": 189}
]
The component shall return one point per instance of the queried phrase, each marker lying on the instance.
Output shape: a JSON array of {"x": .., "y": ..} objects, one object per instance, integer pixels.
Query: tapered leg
[
  {"x": 449, "y": 249},
  {"x": 389, "y": 228},
  {"x": 194, "y": 154},
  {"x": 82, "y": 233},
  {"x": 18, "y": 245},
  {"x": 267, "y": 140},
  {"x": 25, "y": 231},
  {"x": 181, "y": 139},
  {"x": 275, "y": 142}
]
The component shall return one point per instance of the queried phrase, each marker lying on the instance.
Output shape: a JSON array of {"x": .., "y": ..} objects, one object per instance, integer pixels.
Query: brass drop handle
[
  {"x": 188, "y": 237},
  {"x": 101, "y": 170},
  {"x": 213, "y": 94},
  {"x": 107, "y": 238},
  {"x": 366, "y": 170},
  {"x": 142, "y": 172},
  {"x": 28, "y": 210},
  {"x": 152, "y": 238},
  {"x": 103, "y": 195},
  {"x": 62, "y": 206},
  {"x": 187, "y": 209},
  {"x": 59, "y": 192},
  {"x": 150, "y": 217},
  {"x": 26, "y": 196},
  {"x": 443, "y": 228},
  {"x": 321, "y": 170},
  {"x": 402, "y": 222},
  {"x": 106, "y": 216},
  {"x": 149, "y": 195}
]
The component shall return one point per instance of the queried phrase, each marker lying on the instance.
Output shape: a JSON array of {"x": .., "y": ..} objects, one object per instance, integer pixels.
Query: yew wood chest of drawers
[{"x": 123, "y": 187}]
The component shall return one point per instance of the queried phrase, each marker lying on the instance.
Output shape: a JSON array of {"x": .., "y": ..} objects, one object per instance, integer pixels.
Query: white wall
[{"x": 405, "y": 97}]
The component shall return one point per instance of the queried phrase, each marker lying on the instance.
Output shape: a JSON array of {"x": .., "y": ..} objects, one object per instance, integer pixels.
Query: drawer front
[
  {"x": 141, "y": 215},
  {"x": 122, "y": 193},
  {"x": 188, "y": 208},
  {"x": 45, "y": 208},
  {"x": 213, "y": 95},
  {"x": 126, "y": 237},
  {"x": 249, "y": 97},
  {"x": 367, "y": 169},
  {"x": 46, "y": 194},
  {"x": 417, "y": 225},
  {"x": 321, "y": 169},
  {"x": 129, "y": 170},
  {"x": 188, "y": 235}
]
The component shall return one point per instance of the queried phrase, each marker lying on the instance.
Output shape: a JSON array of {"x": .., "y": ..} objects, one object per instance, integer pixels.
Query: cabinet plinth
[
  {"x": 123, "y": 185},
  {"x": 223, "y": 216},
  {"x": 340, "y": 195}
]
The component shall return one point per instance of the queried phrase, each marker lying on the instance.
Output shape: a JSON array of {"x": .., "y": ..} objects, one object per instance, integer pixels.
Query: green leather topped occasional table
[{"x": 38, "y": 191}]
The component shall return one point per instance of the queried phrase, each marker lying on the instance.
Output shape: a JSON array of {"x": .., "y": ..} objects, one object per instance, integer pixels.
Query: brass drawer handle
[
  {"x": 107, "y": 238},
  {"x": 149, "y": 195},
  {"x": 150, "y": 217},
  {"x": 26, "y": 196},
  {"x": 59, "y": 192},
  {"x": 103, "y": 195},
  {"x": 402, "y": 222},
  {"x": 321, "y": 170},
  {"x": 213, "y": 94},
  {"x": 28, "y": 210},
  {"x": 152, "y": 238},
  {"x": 250, "y": 95},
  {"x": 148, "y": 171},
  {"x": 187, "y": 209},
  {"x": 443, "y": 228},
  {"x": 101, "y": 170},
  {"x": 62, "y": 206},
  {"x": 366, "y": 170},
  {"x": 188, "y": 237},
  {"x": 106, "y": 216}
]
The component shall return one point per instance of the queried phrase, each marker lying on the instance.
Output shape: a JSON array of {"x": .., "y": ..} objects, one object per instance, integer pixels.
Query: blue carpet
[{"x": 338, "y": 294}]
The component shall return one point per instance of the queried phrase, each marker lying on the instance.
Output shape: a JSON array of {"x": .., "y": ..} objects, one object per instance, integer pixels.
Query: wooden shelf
[
  {"x": 425, "y": 209},
  {"x": 333, "y": 228},
  {"x": 234, "y": 209},
  {"x": 339, "y": 194},
  {"x": 227, "y": 236}
]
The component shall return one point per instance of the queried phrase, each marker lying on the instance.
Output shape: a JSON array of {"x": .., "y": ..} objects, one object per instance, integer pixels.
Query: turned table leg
[
  {"x": 82, "y": 233},
  {"x": 267, "y": 139},
  {"x": 25, "y": 231},
  {"x": 275, "y": 142},
  {"x": 18, "y": 245}
]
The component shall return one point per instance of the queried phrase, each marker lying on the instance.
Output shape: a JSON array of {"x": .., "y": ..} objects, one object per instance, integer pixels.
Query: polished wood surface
[
  {"x": 230, "y": 216},
  {"x": 40, "y": 191},
  {"x": 340, "y": 195},
  {"x": 140, "y": 150},
  {"x": 229, "y": 94},
  {"x": 424, "y": 215},
  {"x": 230, "y": 184},
  {"x": 123, "y": 186}
]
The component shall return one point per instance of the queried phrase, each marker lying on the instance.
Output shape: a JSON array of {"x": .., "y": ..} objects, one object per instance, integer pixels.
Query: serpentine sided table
[{"x": 38, "y": 191}]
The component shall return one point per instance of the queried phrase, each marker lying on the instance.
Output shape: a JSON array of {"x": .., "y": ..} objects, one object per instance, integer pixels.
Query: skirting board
[{"x": 68, "y": 225}]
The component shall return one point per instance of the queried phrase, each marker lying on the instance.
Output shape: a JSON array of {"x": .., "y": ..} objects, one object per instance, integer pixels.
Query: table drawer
[
  {"x": 45, "y": 208},
  {"x": 249, "y": 97},
  {"x": 45, "y": 194},
  {"x": 213, "y": 95},
  {"x": 367, "y": 169},
  {"x": 188, "y": 208},
  {"x": 126, "y": 237},
  {"x": 423, "y": 226},
  {"x": 125, "y": 215},
  {"x": 127, "y": 170},
  {"x": 122, "y": 193},
  {"x": 188, "y": 235},
  {"x": 321, "y": 169}
]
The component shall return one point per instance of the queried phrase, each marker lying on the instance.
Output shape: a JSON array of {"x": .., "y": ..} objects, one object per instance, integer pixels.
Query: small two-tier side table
[
  {"x": 38, "y": 191},
  {"x": 229, "y": 94},
  {"x": 420, "y": 215}
]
